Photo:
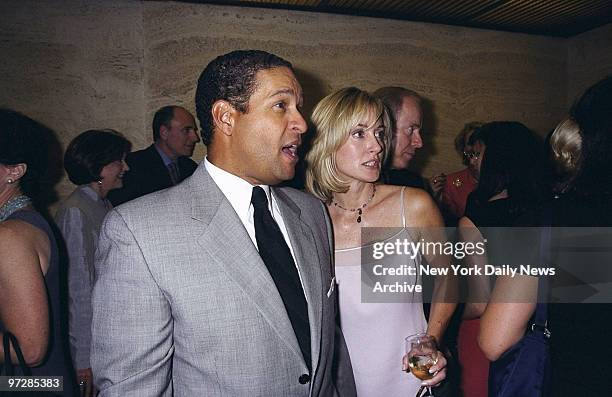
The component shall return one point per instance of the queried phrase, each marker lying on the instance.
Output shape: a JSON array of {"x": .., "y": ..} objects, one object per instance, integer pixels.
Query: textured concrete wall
[
  {"x": 589, "y": 59},
  {"x": 112, "y": 63},
  {"x": 466, "y": 74},
  {"x": 73, "y": 66}
]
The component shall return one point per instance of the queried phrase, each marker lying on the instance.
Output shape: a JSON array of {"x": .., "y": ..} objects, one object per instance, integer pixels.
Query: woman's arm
[
  {"x": 24, "y": 309},
  {"x": 478, "y": 287},
  {"x": 422, "y": 209},
  {"x": 76, "y": 231},
  {"x": 507, "y": 315}
]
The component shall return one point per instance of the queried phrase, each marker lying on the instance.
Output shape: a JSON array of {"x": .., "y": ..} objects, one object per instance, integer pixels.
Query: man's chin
[{"x": 402, "y": 165}]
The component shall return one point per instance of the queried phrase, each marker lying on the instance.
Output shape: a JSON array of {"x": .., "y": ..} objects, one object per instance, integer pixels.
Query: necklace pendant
[{"x": 359, "y": 219}]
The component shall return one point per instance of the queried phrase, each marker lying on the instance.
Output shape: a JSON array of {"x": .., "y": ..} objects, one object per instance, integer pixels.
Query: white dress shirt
[{"x": 238, "y": 192}]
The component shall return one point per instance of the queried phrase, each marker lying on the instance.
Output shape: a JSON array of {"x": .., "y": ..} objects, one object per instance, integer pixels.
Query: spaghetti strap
[{"x": 402, "y": 207}]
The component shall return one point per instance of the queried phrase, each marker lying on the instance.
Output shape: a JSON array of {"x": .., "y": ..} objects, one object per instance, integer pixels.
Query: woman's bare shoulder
[
  {"x": 22, "y": 239},
  {"x": 15, "y": 230},
  {"x": 420, "y": 208}
]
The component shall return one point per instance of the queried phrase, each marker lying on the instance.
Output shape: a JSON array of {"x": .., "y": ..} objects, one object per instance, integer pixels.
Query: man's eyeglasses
[{"x": 471, "y": 155}]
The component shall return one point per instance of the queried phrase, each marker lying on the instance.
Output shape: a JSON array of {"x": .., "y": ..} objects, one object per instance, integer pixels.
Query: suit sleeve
[
  {"x": 76, "y": 232},
  {"x": 132, "y": 326}
]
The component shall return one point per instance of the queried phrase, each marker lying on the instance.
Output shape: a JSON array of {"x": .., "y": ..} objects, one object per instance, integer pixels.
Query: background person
[
  {"x": 565, "y": 151},
  {"x": 454, "y": 188},
  {"x": 344, "y": 164},
  {"x": 406, "y": 113},
  {"x": 583, "y": 201},
  {"x": 509, "y": 156},
  {"x": 29, "y": 267},
  {"x": 95, "y": 162},
  {"x": 167, "y": 161}
]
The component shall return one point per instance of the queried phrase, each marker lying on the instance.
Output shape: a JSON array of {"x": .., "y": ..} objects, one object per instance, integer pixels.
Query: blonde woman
[
  {"x": 352, "y": 137},
  {"x": 565, "y": 147}
]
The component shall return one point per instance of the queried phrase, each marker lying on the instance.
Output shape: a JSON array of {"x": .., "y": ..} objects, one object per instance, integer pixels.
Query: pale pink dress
[{"x": 375, "y": 332}]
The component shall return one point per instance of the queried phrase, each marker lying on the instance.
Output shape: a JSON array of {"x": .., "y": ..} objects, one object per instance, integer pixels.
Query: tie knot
[{"x": 259, "y": 199}]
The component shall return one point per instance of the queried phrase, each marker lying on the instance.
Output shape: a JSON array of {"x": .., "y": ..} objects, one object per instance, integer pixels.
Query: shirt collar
[
  {"x": 235, "y": 189},
  {"x": 92, "y": 194},
  {"x": 89, "y": 192},
  {"x": 167, "y": 160}
]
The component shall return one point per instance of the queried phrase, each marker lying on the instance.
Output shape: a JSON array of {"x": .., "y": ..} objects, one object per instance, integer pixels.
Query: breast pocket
[{"x": 332, "y": 287}]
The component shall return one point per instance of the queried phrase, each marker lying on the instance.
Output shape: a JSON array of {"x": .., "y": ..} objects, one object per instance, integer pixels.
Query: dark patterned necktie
[
  {"x": 175, "y": 175},
  {"x": 275, "y": 253}
]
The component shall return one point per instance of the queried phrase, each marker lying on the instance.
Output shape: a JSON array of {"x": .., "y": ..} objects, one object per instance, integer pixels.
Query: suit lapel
[
  {"x": 226, "y": 242},
  {"x": 307, "y": 260}
]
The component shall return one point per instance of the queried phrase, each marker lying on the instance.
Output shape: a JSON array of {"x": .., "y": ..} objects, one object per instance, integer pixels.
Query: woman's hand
[
  {"x": 439, "y": 369},
  {"x": 436, "y": 183}
]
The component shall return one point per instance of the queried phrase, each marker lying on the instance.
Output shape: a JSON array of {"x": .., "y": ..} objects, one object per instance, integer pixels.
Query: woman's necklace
[
  {"x": 14, "y": 204},
  {"x": 359, "y": 210}
]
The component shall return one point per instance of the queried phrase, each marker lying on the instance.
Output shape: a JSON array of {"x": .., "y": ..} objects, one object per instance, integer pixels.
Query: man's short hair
[
  {"x": 334, "y": 117},
  {"x": 231, "y": 77},
  {"x": 163, "y": 117},
  {"x": 393, "y": 97}
]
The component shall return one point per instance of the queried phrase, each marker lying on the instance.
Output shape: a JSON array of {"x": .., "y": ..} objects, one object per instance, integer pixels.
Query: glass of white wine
[{"x": 422, "y": 354}]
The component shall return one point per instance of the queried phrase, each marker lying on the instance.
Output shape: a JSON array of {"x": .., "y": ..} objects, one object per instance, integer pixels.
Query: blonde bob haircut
[
  {"x": 566, "y": 146},
  {"x": 334, "y": 117}
]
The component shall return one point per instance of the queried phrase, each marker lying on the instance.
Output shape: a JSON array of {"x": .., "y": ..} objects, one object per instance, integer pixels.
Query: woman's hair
[
  {"x": 565, "y": 146},
  {"x": 24, "y": 141},
  {"x": 461, "y": 138},
  {"x": 512, "y": 160},
  {"x": 593, "y": 113},
  {"x": 333, "y": 118},
  {"x": 91, "y": 151}
]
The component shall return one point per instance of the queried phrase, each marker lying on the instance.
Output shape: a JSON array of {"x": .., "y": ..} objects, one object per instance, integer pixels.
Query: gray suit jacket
[{"x": 184, "y": 305}]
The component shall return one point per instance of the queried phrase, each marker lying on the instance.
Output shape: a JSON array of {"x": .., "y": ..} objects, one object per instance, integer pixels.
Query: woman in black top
[
  {"x": 507, "y": 156},
  {"x": 580, "y": 344}
]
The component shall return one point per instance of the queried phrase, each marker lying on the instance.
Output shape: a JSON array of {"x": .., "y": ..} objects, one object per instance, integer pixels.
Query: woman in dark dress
[
  {"x": 507, "y": 156},
  {"x": 29, "y": 269}
]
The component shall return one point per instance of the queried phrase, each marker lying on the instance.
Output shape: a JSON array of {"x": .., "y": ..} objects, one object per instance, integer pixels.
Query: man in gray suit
[{"x": 223, "y": 286}]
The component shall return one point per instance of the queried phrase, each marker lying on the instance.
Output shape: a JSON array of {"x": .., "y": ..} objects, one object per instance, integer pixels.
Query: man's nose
[
  {"x": 299, "y": 124},
  {"x": 417, "y": 142}
]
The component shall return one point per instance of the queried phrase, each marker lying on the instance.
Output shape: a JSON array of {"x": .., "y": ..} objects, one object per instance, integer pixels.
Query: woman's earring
[
  {"x": 99, "y": 181},
  {"x": 10, "y": 181}
]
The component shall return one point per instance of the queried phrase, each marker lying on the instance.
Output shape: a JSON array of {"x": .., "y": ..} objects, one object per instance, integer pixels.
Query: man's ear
[
  {"x": 223, "y": 116},
  {"x": 163, "y": 132},
  {"x": 16, "y": 172}
]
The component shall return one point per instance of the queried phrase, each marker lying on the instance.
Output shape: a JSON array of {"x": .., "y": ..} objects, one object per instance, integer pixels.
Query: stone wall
[
  {"x": 74, "y": 66},
  {"x": 77, "y": 65},
  {"x": 589, "y": 59}
]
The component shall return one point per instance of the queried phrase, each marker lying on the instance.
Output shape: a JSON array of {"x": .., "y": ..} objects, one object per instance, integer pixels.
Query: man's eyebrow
[{"x": 283, "y": 91}]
